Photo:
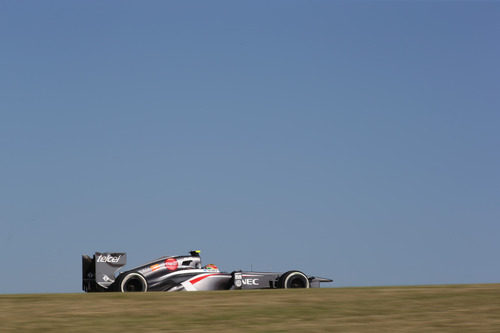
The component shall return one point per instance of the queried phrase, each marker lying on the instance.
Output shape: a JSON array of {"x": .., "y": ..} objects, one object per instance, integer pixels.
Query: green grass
[{"x": 456, "y": 308}]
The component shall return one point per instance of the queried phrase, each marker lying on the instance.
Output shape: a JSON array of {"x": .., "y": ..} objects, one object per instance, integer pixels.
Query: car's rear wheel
[
  {"x": 293, "y": 279},
  {"x": 133, "y": 282}
]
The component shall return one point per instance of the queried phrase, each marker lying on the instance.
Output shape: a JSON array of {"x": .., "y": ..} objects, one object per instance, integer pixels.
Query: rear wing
[{"x": 98, "y": 271}]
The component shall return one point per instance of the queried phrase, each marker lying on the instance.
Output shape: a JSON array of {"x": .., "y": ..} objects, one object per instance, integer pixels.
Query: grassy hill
[{"x": 456, "y": 308}]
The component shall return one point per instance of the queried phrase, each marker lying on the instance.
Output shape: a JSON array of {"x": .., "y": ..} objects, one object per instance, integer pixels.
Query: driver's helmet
[{"x": 211, "y": 267}]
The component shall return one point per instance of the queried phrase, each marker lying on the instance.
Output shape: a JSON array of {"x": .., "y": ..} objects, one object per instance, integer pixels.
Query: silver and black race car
[{"x": 176, "y": 273}]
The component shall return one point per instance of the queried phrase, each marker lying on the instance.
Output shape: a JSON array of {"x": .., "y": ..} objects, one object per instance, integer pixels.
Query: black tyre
[
  {"x": 293, "y": 279},
  {"x": 133, "y": 282}
]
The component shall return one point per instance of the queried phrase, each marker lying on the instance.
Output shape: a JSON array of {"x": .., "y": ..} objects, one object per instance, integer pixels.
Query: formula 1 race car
[{"x": 181, "y": 273}]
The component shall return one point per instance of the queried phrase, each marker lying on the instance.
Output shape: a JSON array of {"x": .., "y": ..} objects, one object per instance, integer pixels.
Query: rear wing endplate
[{"x": 98, "y": 271}]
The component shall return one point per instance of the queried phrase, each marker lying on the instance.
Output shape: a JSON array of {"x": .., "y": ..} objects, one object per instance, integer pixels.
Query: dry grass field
[{"x": 456, "y": 308}]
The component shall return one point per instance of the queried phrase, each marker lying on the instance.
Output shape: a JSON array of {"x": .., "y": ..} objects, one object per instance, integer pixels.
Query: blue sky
[{"x": 352, "y": 140}]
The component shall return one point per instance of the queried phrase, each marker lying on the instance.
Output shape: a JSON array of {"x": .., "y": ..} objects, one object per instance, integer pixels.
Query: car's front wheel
[
  {"x": 133, "y": 282},
  {"x": 293, "y": 279}
]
